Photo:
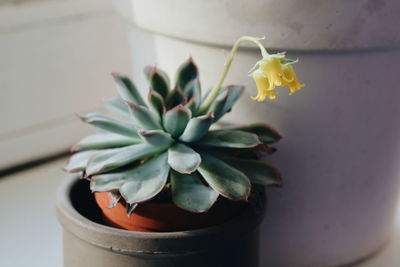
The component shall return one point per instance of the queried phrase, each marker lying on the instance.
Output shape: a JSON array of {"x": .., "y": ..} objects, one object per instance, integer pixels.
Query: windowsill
[{"x": 31, "y": 235}]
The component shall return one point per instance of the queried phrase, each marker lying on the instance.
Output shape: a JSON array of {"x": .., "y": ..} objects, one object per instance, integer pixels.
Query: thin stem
[{"x": 214, "y": 92}]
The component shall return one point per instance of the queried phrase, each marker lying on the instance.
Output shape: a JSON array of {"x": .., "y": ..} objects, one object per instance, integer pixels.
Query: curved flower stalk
[{"x": 271, "y": 71}]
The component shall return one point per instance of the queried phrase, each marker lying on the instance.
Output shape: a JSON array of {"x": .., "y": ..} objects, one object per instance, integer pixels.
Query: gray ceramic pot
[{"x": 87, "y": 242}]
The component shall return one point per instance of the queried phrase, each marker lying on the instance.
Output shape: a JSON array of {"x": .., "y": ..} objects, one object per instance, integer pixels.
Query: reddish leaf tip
[
  {"x": 129, "y": 103},
  {"x": 115, "y": 74},
  {"x": 81, "y": 117}
]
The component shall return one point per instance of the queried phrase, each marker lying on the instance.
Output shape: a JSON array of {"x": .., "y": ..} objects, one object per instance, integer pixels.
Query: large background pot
[
  {"x": 89, "y": 243},
  {"x": 341, "y": 147}
]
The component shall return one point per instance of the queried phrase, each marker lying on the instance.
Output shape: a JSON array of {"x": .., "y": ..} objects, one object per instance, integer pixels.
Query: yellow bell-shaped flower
[
  {"x": 290, "y": 75},
  {"x": 272, "y": 71},
  {"x": 272, "y": 67},
  {"x": 264, "y": 86}
]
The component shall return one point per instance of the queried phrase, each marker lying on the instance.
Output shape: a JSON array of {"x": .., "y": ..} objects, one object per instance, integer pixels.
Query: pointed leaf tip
[
  {"x": 159, "y": 82},
  {"x": 157, "y": 138},
  {"x": 143, "y": 116},
  {"x": 104, "y": 140},
  {"x": 110, "y": 124},
  {"x": 127, "y": 90},
  {"x": 175, "y": 97},
  {"x": 117, "y": 106},
  {"x": 79, "y": 161},
  {"x": 197, "y": 128},
  {"x": 113, "y": 198},
  {"x": 223, "y": 105},
  {"x": 176, "y": 119},
  {"x": 186, "y": 72},
  {"x": 193, "y": 90},
  {"x": 191, "y": 105},
  {"x": 156, "y": 102}
]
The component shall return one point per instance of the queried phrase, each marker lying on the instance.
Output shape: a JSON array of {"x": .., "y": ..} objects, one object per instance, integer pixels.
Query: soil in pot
[{"x": 161, "y": 215}]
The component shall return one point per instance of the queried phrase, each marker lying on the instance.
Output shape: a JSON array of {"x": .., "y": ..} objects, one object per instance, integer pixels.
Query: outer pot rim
[
  {"x": 287, "y": 24},
  {"x": 130, "y": 242}
]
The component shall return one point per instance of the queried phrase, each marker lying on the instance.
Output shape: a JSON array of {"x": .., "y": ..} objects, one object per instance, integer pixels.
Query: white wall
[{"x": 55, "y": 59}]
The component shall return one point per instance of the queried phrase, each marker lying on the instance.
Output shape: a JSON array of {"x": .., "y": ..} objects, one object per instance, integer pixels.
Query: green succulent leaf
[
  {"x": 110, "y": 124},
  {"x": 78, "y": 162},
  {"x": 127, "y": 90},
  {"x": 183, "y": 159},
  {"x": 176, "y": 119},
  {"x": 234, "y": 93},
  {"x": 147, "y": 180},
  {"x": 191, "y": 105},
  {"x": 143, "y": 117},
  {"x": 156, "y": 102},
  {"x": 266, "y": 133},
  {"x": 149, "y": 70},
  {"x": 130, "y": 208},
  {"x": 157, "y": 138},
  {"x": 197, "y": 127},
  {"x": 230, "y": 138},
  {"x": 118, "y": 106},
  {"x": 110, "y": 181},
  {"x": 159, "y": 82},
  {"x": 218, "y": 106},
  {"x": 224, "y": 179},
  {"x": 151, "y": 175},
  {"x": 190, "y": 193},
  {"x": 104, "y": 140},
  {"x": 193, "y": 90},
  {"x": 175, "y": 97},
  {"x": 118, "y": 157},
  {"x": 186, "y": 73},
  {"x": 114, "y": 197},
  {"x": 258, "y": 171}
]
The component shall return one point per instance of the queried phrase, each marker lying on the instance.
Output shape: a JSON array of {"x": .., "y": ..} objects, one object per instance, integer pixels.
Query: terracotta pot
[
  {"x": 88, "y": 242},
  {"x": 162, "y": 217}
]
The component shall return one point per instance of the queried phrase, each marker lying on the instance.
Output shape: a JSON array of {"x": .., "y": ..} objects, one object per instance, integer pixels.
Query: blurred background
[
  {"x": 56, "y": 58},
  {"x": 341, "y": 151}
]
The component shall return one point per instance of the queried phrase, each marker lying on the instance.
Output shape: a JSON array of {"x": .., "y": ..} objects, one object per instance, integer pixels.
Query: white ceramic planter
[{"x": 341, "y": 149}]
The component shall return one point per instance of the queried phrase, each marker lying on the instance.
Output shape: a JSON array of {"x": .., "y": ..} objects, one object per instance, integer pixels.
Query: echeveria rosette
[{"x": 167, "y": 144}]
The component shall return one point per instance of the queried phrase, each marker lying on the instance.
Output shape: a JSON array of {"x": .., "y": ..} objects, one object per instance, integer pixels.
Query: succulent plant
[{"x": 167, "y": 143}]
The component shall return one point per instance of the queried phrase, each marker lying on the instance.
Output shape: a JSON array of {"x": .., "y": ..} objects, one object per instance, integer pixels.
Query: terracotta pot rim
[{"x": 168, "y": 242}]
